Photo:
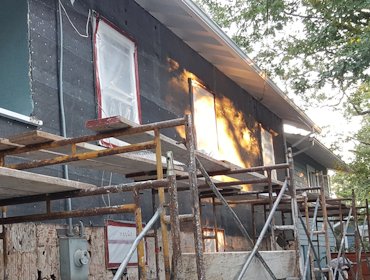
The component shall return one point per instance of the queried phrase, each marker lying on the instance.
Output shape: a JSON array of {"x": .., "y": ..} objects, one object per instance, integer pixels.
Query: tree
[
  {"x": 320, "y": 49},
  {"x": 312, "y": 45},
  {"x": 359, "y": 177}
]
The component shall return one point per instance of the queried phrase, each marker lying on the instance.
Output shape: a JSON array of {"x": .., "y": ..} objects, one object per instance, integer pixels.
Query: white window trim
[
  {"x": 20, "y": 117},
  {"x": 264, "y": 155}
]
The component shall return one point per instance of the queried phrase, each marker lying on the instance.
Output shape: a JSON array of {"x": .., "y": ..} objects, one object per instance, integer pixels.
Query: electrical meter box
[{"x": 74, "y": 258}]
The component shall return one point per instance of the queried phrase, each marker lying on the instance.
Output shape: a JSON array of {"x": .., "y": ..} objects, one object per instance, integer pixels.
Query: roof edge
[{"x": 223, "y": 36}]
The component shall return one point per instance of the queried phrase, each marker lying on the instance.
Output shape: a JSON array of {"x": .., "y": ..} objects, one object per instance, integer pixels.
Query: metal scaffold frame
[
  {"x": 339, "y": 212},
  {"x": 159, "y": 185},
  {"x": 278, "y": 196}
]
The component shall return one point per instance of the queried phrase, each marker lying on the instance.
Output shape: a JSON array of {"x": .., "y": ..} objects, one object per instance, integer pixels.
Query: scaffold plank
[{"x": 15, "y": 183}]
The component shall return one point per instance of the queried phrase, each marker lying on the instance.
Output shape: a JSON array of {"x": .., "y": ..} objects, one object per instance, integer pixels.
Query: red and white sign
[{"x": 119, "y": 237}]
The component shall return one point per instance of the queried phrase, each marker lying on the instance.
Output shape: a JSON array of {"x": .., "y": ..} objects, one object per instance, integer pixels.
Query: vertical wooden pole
[
  {"x": 174, "y": 219},
  {"x": 215, "y": 223},
  {"x": 253, "y": 225},
  {"x": 358, "y": 271},
  {"x": 265, "y": 218},
  {"x": 139, "y": 229},
  {"x": 192, "y": 169},
  {"x": 295, "y": 209},
  {"x": 341, "y": 219},
  {"x": 311, "y": 256},
  {"x": 325, "y": 224},
  {"x": 273, "y": 240},
  {"x": 162, "y": 199}
]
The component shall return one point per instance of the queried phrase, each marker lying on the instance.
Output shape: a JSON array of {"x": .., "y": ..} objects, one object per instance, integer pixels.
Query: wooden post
[
  {"x": 311, "y": 260},
  {"x": 174, "y": 219},
  {"x": 273, "y": 240},
  {"x": 358, "y": 271},
  {"x": 139, "y": 229},
  {"x": 253, "y": 225},
  {"x": 325, "y": 224},
  {"x": 162, "y": 199},
  {"x": 295, "y": 209},
  {"x": 215, "y": 223},
  {"x": 192, "y": 169}
]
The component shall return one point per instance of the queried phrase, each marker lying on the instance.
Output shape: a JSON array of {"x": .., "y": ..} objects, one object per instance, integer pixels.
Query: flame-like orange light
[{"x": 236, "y": 140}]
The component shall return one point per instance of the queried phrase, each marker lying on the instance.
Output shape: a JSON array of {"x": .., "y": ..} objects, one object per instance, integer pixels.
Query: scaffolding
[{"x": 164, "y": 166}]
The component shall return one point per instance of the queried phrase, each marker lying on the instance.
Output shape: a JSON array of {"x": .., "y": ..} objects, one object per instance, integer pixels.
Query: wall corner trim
[{"x": 19, "y": 117}]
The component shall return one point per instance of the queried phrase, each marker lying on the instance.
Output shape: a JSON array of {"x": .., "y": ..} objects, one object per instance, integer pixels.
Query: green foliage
[
  {"x": 359, "y": 177},
  {"x": 320, "y": 49},
  {"x": 307, "y": 43}
]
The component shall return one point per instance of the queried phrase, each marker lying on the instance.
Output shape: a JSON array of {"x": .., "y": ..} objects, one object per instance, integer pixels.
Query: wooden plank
[
  {"x": 121, "y": 164},
  {"x": 34, "y": 137},
  {"x": 5, "y": 144},
  {"x": 109, "y": 124},
  {"x": 20, "y": 183},
  {"x": 168, "y": 144}
]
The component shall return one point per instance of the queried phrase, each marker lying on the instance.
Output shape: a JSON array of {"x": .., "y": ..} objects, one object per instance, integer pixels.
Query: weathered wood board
[
  {"x": 15, "y": 183},
  {"x": 34, "y": 137}
]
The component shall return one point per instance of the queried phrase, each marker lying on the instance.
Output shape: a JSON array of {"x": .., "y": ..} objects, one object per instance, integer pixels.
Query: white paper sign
[{"x": 119, "y": 238}]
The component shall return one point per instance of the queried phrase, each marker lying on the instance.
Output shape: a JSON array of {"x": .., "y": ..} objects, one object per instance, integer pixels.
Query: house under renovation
[{"x": 139, "y": 142}]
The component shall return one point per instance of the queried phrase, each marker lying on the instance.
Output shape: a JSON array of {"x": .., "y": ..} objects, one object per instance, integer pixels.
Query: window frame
[
  {"x": 97, "y": 19},
  {"x": 312, "y": 176},
  {"x": 271, "y": 134},
  {"x": 195, "y": 83},
  {"x": 212, "y": 233}
]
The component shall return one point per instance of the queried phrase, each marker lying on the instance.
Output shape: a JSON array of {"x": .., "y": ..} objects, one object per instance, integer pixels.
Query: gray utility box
[{"x": 74, "y": 258}]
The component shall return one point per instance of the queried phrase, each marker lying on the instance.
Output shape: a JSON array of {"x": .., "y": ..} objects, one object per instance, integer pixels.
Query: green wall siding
[{"x": 14, "y": 57}]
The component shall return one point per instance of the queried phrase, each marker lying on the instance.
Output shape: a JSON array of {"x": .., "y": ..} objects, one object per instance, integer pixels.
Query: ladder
[{"x": 312, "y": 231}]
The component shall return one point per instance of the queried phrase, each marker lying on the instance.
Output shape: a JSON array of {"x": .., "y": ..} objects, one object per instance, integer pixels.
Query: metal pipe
[
  {"x": 233, "y": 214},
  {"x": 125, "y": 261},
  {"x": 155, "y": 231},
  {"x": 83, "y": 156},
  {"x": 150, "y": 184},
  {"x": 128, "y": 208},
  {"x": 90, "y": 138},
  {"x": 68, "y": 201},
  {"x": 263, "y": 232},
  {"x": 236, "y": 183}
]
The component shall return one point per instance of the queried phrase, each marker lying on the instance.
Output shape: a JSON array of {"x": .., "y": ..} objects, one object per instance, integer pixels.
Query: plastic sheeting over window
[
  {"x": 115, "y": 72},
  {"x": 205, "y": 120}
]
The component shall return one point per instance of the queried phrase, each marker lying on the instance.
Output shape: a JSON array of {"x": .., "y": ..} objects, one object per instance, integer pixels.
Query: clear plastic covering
[
  {"x": 205, "y": 120},
  {"x": 115, "y": 62}
]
